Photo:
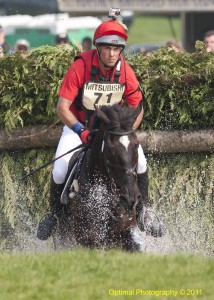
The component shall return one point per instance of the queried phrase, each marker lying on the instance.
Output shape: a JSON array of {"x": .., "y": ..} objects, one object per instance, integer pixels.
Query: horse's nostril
[
  {"x": 139, "y": 197},
  {"x": 124, "y": 200},
  {"x": 128, "y": 201}
]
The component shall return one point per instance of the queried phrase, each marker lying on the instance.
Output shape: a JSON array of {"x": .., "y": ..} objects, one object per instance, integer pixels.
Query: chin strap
[{"x": 94, "y": 71}]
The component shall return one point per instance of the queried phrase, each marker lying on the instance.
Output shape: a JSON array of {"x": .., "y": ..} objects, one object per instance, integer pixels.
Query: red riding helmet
[{"x": 110, "y": 33}]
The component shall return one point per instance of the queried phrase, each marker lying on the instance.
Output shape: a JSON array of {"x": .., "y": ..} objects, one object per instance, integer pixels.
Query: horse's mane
[{"x": 121, "y": 118}]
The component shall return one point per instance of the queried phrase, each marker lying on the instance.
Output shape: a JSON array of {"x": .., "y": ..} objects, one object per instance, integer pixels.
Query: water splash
[
  {"x": 183, "y": 197},
  {"x": 139, "y": 238}
]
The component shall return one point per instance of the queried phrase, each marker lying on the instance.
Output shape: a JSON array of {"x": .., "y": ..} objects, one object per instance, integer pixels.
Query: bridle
[{"x": 128, "y": 171}]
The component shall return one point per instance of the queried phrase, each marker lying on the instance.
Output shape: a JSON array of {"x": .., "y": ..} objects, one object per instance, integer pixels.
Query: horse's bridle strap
[
  {"x": 120, "y": 133},
  {"x": 128, "y": 171}
]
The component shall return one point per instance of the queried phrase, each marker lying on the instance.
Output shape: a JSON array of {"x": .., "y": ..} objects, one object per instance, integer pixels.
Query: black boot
[
  {"x": 147, "y": 219},
  {"x": 143, "y": 184},
  {"x": 48, "y": 223}
]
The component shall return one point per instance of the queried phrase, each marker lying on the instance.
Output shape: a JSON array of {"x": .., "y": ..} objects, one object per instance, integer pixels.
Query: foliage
[
  {"x": 29, "y": 85},
  {"x": 182, "y": 186},
  {"x": 22, "y": 202},
  {"x": 178, "y": 87}
]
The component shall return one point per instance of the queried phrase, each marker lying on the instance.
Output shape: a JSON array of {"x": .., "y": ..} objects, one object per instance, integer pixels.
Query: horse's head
[{"x": 120, "y": 152}]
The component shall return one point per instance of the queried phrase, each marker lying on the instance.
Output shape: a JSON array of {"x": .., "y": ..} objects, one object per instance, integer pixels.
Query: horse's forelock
[{"x": 121, "y": 117}]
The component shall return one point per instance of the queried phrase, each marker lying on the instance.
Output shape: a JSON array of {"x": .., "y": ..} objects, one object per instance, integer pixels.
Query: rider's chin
[{"x": 110, "y": 64}]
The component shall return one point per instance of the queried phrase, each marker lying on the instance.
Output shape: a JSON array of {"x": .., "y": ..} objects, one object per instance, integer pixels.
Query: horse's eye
[
  {"x": 110, "y": 142},
  {"x": 110, "y": 147}
]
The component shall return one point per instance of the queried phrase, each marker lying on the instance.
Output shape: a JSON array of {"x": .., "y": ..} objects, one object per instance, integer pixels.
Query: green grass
[
  {"x": 83, "y": 275},
  {"x": 153, "y": 29}
]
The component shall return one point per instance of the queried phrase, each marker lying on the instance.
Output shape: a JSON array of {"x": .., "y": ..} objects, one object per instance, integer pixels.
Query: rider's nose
[{"x": 112, "y": 53}]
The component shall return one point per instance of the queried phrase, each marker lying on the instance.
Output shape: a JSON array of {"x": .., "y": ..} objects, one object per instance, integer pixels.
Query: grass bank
[
  {"x": 147, "y": 29},
  {"x": 83, "y": 275}
]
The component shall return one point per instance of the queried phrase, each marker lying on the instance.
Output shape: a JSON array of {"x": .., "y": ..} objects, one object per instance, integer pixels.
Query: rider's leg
[
  {"x": 143, "y": 182},
  {"x": 146, "y": 217},
  {"x": 48, "y": 223}
]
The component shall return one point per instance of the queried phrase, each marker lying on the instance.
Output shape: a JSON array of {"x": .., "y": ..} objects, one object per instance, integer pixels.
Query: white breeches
[{"x": 70, "y": 140}]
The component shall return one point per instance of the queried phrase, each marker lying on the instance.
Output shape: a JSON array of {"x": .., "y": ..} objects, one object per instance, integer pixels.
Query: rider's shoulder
[{"x": 85, "y": 55}]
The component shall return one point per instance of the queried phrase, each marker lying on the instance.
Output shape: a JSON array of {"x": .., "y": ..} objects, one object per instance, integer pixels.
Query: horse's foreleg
[{"x": 132, "y": 240}]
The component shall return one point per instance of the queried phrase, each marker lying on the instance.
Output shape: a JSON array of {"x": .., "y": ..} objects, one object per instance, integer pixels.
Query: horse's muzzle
[{"x": 129, "y": 202}]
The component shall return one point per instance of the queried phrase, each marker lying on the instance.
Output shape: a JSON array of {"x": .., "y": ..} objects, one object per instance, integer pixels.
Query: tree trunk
[{"x": 39, "y": 136}]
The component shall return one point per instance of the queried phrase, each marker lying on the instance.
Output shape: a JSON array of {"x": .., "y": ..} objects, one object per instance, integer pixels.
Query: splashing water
[
  {"x": 97, "y": 206},
  {"x": 183, "y": 199}
]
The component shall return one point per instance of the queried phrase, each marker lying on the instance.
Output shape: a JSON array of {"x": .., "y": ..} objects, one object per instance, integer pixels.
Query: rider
[{"x": 89, "y": 80}]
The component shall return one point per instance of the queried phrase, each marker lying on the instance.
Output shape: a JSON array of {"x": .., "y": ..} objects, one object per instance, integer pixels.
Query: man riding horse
[{"x": 100, "y": 76}]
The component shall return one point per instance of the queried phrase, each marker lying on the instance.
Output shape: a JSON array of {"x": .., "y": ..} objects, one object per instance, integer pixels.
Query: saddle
[{"x": 71, "y": 187}]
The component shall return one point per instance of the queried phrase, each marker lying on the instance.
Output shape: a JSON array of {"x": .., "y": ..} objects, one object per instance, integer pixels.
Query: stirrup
[{"x": 47, "y": 226}]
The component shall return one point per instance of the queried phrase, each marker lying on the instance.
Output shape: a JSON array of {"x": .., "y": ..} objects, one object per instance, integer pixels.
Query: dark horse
[{"x": 101, "y": 211}]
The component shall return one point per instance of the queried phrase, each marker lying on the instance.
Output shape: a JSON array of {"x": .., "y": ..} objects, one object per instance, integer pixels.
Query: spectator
[
  {"x": 1, "y": 52},
  {"x": 3, "y": 45},
  {"x": 146, "y": 52},
  {"x": 62, "y": 39},
  {"x": 175, "y": 45},
  {"x": 22, "y": 46},
  {"x": 87, "y": 43},
  {"x": 209, "y": 40}
]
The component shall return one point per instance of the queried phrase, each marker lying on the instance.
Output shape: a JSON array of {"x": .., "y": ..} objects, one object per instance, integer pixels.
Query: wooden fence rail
[{"x": 39, "y": 136}]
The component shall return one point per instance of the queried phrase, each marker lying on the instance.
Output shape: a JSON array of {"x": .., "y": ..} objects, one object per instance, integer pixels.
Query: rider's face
[{"x": 109, "y": 55}]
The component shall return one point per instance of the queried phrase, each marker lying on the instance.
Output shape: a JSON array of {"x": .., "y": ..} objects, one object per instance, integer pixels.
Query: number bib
[{"x": 102, "y": 93}]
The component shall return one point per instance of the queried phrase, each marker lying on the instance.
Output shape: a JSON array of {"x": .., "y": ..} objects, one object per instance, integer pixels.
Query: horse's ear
[{"x": 101, "y": 115}]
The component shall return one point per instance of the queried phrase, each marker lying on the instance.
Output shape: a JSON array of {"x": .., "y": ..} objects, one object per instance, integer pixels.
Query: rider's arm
[
  {"x": 139, "y": 119},
  {"x": 64, "y": 113},
  {"x": 133, "y": 94},
  {"x": 69, "y": 89}
]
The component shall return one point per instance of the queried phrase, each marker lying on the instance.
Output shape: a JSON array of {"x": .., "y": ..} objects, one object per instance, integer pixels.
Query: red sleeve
[
  {"x": 73, "y": 80},
  {"x": 133, "y": 93}
]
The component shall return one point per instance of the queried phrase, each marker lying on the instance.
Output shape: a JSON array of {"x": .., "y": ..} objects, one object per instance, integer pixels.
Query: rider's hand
[
  {"x": 83, "y": 132},
  {"x": 85, "y": 136}
]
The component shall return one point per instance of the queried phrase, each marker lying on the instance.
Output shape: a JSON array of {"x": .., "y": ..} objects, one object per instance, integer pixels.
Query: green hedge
[
  {"x": 178, "y": 87},
  {"x": 28, "y": 87}
]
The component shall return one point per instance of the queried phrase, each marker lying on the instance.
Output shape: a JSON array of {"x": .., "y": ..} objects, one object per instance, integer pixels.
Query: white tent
[{"x": 57, "y": 23}]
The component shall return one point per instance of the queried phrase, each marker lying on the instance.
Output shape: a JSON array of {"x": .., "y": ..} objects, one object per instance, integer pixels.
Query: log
[
  {"x": 40, "y": 136},
  {"x": 30, "y": 137},
  {"x": 177, "y": 141}
]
